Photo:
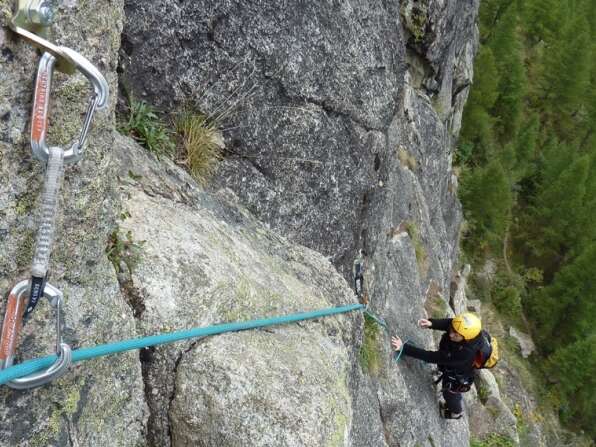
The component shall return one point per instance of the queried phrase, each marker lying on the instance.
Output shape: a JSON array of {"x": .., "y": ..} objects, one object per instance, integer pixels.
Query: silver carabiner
[
  {"x": 11, "y": 327},
  {"x": 41, "y": 102}
]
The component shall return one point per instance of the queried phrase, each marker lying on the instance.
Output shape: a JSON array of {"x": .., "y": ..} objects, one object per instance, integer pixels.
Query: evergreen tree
[
  {"x": 489, "y": 14},
  {"x": 573, "y": 366},
  {"x": 588, "y": 136},
  {"x": 564, "y": 311},
  {"x": 506, "y": 47},
  {"x": 539, "y": 174},
  {"x": 557, "y": 209},
  {"x": 525, "y": 149},
  {"x": 477, "y": 123},
  {"x": 566, "y": 73},
  {"x": 540, "y": 19},
  {"x": 487, "y": 199}
]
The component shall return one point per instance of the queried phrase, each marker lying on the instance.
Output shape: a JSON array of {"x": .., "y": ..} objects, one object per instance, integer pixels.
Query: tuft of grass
[
  {"x": 370, "y": 358},
  {"x": 200, "y": 146},
  {"x": 493, "y": 440},
  {"x": 483, "y": 392},
  {"x": 434, "y": 304},
  {"x": 421, "y": 255},
  {"x": 145, "y": 126}
]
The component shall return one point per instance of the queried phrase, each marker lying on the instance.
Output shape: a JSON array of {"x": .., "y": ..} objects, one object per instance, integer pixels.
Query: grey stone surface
[
  {"x": 475, "y": 306},
  {"x": 101, "y": 403},
  {"x": 206, "y": 260},
  {"x": 321, "y": 99},
  {"x": 491, "y": 414},
  {"x": 458, "y": 290},
  {"x": 525, "y": 342},
  {"x": 339, "y": 131},
  {"x": 312, "y": 92},
  {"x": 338, "y": 127}
]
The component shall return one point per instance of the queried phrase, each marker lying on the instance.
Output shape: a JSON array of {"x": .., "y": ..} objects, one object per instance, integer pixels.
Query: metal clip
[
  {"x": 11, "y": 328},
  {"x": 41, "y": 102}
]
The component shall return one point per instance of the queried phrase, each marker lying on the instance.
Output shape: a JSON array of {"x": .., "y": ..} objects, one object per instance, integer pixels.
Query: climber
[{"x": 455, "y": 357}]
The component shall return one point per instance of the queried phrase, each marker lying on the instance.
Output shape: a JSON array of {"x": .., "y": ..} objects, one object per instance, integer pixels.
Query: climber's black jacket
[{"x": 452, "y": 356}]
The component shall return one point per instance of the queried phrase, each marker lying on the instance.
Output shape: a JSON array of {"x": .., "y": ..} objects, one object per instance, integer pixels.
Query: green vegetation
[
  {"x": 493, "y": 440},
  {"x": 200, "y": 149},
  {"x": 123, "y": 252},
  {"x": 483, "y": 392},
  {"x": 370, "y": 357},
  {"x": 145, "y": 126},
  {"x": 195, "y": 143},
  {"x": 527, "y": 156},
  {"x": 421, "y": 255}
]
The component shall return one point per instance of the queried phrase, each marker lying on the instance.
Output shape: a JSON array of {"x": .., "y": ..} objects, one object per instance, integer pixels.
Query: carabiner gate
[
  {"x": 11, "y": 327},
  {"x": 41, "y": 103}
]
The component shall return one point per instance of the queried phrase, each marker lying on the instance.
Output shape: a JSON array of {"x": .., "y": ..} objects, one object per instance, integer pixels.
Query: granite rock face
[
  {"x": 311, "y": 95},
  {"x": 338, "y": 121},
  {"x": 206, "y": 260},
  {"x": 102, "y": 403}
]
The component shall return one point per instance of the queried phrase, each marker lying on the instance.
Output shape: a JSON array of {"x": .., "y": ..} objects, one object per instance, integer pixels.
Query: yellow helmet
[{"x": 467, "y": 325}]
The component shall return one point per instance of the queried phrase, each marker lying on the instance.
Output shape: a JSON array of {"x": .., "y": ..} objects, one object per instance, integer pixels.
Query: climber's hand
[
  {"x": 424, "y": 323},
  {"x": 397, "y": 343}
]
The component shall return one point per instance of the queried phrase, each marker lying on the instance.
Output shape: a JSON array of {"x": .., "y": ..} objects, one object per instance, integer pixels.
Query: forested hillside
[{"x": 527, "y": 160}]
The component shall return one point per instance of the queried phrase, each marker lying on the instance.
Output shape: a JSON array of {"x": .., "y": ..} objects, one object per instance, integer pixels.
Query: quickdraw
[{"x": 30, "y": 21}]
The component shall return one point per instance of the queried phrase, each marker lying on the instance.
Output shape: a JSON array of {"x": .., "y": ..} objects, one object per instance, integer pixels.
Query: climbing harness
[
  {"x": 30, "y": 21},
  {"x": 454, "y": 381}
]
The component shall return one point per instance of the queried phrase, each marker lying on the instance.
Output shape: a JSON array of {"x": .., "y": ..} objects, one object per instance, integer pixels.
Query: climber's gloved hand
[
  {"x": 424, "y": 323},
  {"x": 396, "y": 343}
]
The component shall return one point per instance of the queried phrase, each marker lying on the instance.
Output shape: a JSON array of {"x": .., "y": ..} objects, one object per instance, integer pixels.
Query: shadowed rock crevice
[{"x": 191, "y": 347}]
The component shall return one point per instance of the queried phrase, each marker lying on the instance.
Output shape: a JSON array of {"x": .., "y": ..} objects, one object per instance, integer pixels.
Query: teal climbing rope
[
  {"x": 398, "y": 354},
  {"x": 378, "y": 320},
  {"x": 79, "y": 355},
  {"x": 381, "y": 322}
]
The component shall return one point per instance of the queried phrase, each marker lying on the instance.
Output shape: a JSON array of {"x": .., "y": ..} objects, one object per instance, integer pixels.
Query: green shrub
[
  {"x": 145, "y": 126},
  {"x": 483, "y": 392},
  {"x": 508, "y": 301}
]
